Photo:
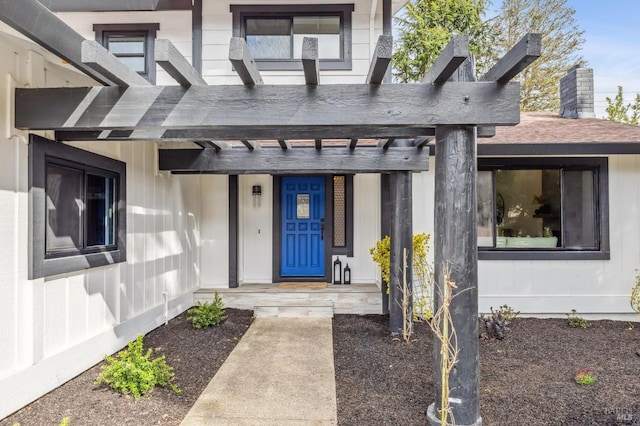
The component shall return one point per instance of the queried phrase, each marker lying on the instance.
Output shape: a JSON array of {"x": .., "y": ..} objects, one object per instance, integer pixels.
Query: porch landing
[{"x": 346, "y": 299}]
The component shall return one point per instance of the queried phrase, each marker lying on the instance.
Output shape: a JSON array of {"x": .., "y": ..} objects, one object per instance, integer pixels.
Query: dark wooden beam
[
  {"x": 284, "y": 144},
  {"x": 386, "y": 208},
  {"x": 454, "y": 54},
  {"x": 243, "y": 62},
  {"x": 354, "y": 107},
  {"x": 385, "y": 143},
  {"x": 243, "y": 133},
  {"x": 527, "y": 50},
  {"x": 196, "y": 35},
  {"x": 234, "y": 234},
  {"x": 35, "y": 21},
  {"x": 486, "y": 131},
  {"x": 381, "y": 60},
  {"x": 293, "y": 161},
  {"x": 217, "y": 145},
  {"x": 100, "y": 59},
  {"x": 318, "y": 143},
  {"x": 353, "y": 143},
  {"x": 251, "y": 145},
  {"x": 422, "y": 142},
  {"x": 310, "y": 61},
  {"x": 172, "y": 61},
  {"x": 456, "y": 259},
  {"x": 401, "y": 241}
]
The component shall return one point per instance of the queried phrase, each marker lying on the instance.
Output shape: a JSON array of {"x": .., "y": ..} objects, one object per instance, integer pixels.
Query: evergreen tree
[
  {"x": 425, "y": 29},
  {"x": 561, "y": 39}
]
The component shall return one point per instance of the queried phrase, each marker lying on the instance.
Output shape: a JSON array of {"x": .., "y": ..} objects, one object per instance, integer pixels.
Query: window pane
[
  {"x": 269, "y": 38},
  {"x": 100, "y": 214},
  {"x": 579, "y": 209},
  {"x": 325, "y": 28},
  {"x": 531, "y": 208},
  {"x": 135, "y": 63},
  {"x": 302, "y": 206},
  {"x": 339, "y": 212},
  {"x": 126, "y": 45},
  {"x": 485, "y": 209},
  {"x": 63, "y": 208}
]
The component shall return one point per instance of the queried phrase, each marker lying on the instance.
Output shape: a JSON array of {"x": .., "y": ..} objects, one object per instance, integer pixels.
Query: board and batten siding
[{"x": 56, "y": 327}]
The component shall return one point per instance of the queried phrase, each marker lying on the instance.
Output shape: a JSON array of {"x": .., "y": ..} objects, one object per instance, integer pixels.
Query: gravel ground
[{"x": 526, "y": 379}]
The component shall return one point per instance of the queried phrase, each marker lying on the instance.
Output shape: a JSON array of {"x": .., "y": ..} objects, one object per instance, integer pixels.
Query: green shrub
[
  {"x": 577, "y": 322},
  {"x": 133, "y": 372},
  {"x": 497, "y": 325},
  {"x": 207, "y": 314}
]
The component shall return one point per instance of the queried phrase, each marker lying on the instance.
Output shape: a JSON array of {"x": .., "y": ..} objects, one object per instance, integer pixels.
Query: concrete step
[{"x": 293, "y": 309}]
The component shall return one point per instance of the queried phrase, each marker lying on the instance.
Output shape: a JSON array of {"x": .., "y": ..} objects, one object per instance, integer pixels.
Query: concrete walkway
[{"x": 280, "y": 373}]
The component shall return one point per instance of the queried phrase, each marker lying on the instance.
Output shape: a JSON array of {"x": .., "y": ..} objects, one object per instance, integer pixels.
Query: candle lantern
[
  {"x": 337, "y": 271},
  {"x": 347, "y": 274}
]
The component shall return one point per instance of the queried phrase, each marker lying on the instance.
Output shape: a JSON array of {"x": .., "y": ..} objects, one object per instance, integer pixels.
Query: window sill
[
  {"x": 488, "y": 254},
  {"x": 296, "y": 65}
]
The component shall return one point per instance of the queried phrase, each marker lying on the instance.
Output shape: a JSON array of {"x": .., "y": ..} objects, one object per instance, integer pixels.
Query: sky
[{"x": 612, "y": 46}]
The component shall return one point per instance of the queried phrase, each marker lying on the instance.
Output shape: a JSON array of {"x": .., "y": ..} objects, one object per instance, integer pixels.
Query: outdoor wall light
[{"x": 256, "y": 193}]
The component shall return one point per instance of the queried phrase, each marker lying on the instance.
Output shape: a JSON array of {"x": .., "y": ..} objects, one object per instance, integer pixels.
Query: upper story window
[
  {"x": 133, "y": 44},
  {"x": 543, "y": 208},
  {"x": 77, "y": 208},
  {"x": 274, "y": 33}
]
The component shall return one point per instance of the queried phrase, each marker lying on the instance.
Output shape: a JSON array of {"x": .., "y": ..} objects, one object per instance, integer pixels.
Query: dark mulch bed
[
  {"x": 526, "y": 379},
  {"x": 194, "y": 354}
]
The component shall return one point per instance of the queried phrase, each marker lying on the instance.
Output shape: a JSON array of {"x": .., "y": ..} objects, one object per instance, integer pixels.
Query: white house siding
[
  {"x": 214, "y": 250},
  {"x": 217, "y": 31},
  {"x": 56, "y": 327}
]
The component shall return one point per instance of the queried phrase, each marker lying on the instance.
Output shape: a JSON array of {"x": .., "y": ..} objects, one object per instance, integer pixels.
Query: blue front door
[{"x": 302, "y": 252}]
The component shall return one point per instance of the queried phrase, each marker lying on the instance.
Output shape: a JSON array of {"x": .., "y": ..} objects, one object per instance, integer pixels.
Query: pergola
[{"x": 306, "y": 129}]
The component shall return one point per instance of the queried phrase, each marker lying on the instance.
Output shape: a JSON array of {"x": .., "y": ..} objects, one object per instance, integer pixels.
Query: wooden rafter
[
  {"x": 353, "y": 143},
  {"x": 294, "y": 161},
  {"x": 310, "y": 61},
  {"x": 38, "y": 23},
  {"x": 100, "y": 59},
  {"x": 284, "y": 144},
  {"x": 385, "y": 143},
  {"x": 251, "y": 145},
  {"x": 381, "y": 59},
  {"x": 451, "y": 57},
  {"x": 171, "y": 60},
  {"x": 318, "y": 143},
  {"x": 243, "y": 62},
  {"x": 527, "y": 50}
]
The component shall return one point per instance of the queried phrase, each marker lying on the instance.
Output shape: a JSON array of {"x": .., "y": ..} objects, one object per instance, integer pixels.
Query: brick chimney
[{"x": 576, "y": 93}]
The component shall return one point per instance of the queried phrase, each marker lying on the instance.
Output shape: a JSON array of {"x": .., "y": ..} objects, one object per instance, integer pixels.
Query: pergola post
[
  {"x": 401, "y": 239},
  {"x": 456, "y": 254}
]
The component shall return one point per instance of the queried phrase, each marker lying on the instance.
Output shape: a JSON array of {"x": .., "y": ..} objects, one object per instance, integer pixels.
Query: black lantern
[
  {"x": 347, "y": 274},
  {"x": 256, "y": 193},
  {"x": 337, "y": 271}
]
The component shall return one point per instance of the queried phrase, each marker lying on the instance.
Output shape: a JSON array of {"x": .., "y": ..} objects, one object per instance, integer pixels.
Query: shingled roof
[{"x": 547, "y": 127}]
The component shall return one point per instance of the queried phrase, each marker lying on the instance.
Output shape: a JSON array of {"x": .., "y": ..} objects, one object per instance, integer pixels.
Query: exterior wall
[
  {"x": 217, "y": 31},
  {"x": 56, "y": 327},
  {"x": 214, "y": 249},
  {"x": 597, "y": 288}
]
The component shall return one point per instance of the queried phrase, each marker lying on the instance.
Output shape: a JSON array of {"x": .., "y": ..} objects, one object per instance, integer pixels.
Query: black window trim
[
  {"x": 600, "y": 164},
  {"x": 242, "y": 12},
  {"x": 103, "y": 31},
  {"x": 42, "y": 151}
]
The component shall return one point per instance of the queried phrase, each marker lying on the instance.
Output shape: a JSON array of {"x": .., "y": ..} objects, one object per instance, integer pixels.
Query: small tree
[{"x": 618, "y": 111}]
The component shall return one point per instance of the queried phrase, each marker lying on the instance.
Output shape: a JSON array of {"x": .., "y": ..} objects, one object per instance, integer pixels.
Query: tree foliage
[
  {"x": 618, "y": 111},
  {"x": 561, "y": 39},
  {"x": 425, "y": 29}
]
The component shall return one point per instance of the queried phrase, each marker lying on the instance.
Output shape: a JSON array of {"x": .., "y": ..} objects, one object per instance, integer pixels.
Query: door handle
[{"x": 321, "y": 229}]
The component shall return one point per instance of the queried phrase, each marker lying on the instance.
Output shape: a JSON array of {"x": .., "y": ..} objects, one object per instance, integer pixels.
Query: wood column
[
  {"x": 385, "y": 228},
  {"x": 455, "y": 252},
  {"x": 233, "y": 230},
  {"x": 401, "y": 238}
]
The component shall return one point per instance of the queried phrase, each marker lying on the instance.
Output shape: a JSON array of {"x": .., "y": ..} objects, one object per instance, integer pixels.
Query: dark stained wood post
[
  {"x": 385, "y": 225},
  {"x": 456, "y": 253},
  {"x": 401, "y": 238}
]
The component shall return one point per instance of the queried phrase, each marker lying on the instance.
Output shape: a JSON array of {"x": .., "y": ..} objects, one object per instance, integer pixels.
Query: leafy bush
[
  {"x": 422, "y": 272},
  {"x": 133, "y": 372},
  {"x": 635, "y": 295},
  {"x": 577, "y": 322},
  {"x": 497, "y": 325},
  {"x": 207, "y": 314}
]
